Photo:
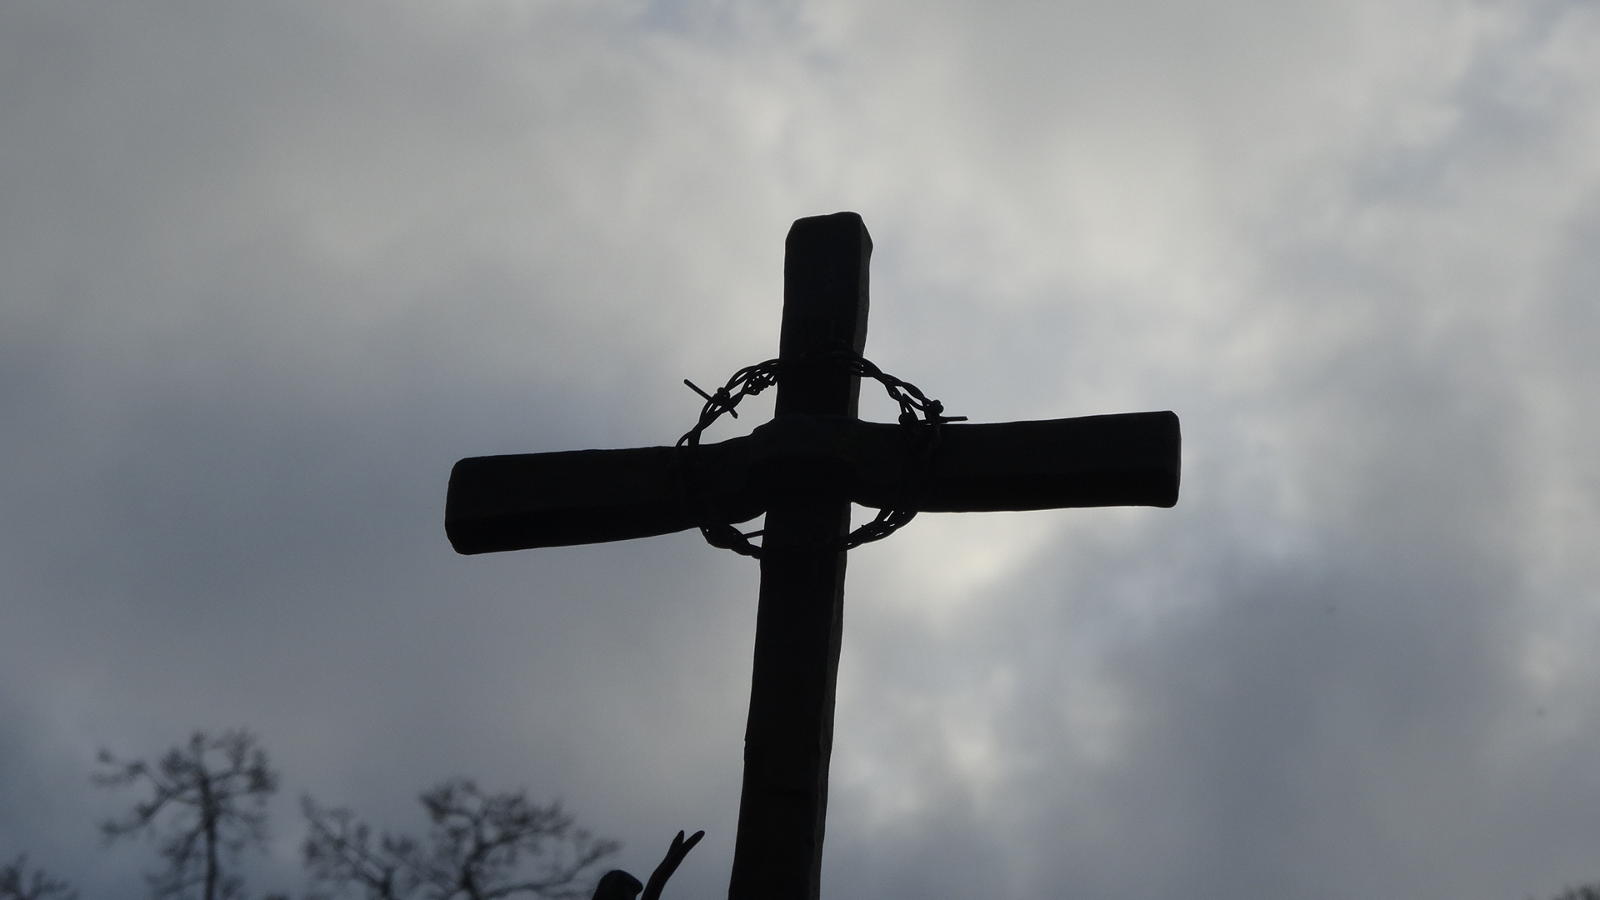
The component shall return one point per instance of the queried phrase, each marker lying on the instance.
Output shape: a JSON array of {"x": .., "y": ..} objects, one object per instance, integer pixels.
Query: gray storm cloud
[{"x": 265, "y": 273}]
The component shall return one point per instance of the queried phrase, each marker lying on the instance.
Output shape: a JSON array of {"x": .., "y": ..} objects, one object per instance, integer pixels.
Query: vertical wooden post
[{"x": 789, "y": 736}]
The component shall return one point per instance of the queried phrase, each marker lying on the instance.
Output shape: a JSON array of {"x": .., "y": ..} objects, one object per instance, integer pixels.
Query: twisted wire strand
[{"x": 920, "y": 415}]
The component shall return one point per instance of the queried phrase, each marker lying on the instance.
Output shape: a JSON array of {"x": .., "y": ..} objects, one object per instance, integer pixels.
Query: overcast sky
[{"x": 268, "y": 269}]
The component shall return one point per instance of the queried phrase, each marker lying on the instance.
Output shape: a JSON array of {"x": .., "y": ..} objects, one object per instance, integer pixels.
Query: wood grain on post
[{"x": 789, "y": 735}]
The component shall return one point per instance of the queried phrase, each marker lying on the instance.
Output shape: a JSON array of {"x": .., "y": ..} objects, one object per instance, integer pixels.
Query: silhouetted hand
[{"x": 669, "y": 864}]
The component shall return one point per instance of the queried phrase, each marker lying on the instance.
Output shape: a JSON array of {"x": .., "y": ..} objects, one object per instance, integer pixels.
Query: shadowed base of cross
[{"x": 803, "y": 469}]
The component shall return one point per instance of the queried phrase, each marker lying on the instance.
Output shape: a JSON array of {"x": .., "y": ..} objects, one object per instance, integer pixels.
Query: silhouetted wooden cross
[{"x": 803, "y": 469}]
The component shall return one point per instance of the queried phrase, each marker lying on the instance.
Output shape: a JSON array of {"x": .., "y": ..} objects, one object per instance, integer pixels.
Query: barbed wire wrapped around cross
[{"x": 919, "y": 414}]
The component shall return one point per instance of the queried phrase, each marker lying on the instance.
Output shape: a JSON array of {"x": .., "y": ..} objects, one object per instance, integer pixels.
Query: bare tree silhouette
[
  {"x": 208, "y": 799},
  {"x": 1582, "y": 892},
  {"x": 17, "y": 884},
  {"x": 479, "y": 846}
]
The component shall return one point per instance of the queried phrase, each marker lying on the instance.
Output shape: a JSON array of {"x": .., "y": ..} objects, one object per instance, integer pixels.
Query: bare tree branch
[
  {"x": 210, "y": 795},
  {"x": 17, "y": 884},
  {"x": 479, "y": 847},
  {"x": 1582, "y": 892}
]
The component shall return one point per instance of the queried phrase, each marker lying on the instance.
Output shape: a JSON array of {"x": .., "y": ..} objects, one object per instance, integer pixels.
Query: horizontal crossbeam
[{"x": 533, "y": 500}]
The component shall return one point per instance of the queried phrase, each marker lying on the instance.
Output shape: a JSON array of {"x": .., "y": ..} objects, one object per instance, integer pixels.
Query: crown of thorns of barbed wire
[{"x": 920, "y": 414}]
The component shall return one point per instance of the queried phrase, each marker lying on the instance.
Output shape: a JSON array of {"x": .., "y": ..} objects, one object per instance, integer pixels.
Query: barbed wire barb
[{"x": 921, "y": 416}]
